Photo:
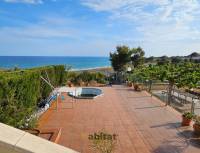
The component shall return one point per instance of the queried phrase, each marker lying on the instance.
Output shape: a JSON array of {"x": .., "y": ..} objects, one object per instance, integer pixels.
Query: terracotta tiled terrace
[{"x": 143, "y": 124}]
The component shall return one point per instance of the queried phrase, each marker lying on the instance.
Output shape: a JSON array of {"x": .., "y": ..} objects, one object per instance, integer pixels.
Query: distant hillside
[
  {"x": 195, "y": 57},
  {"x": 194, "y": 54}
]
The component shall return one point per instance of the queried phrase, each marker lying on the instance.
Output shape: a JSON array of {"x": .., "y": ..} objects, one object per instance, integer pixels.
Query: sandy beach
[{"x": 98, "y": 69}]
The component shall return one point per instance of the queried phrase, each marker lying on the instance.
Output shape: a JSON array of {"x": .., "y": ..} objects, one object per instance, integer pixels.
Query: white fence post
[{"x": 194, "y": 101}]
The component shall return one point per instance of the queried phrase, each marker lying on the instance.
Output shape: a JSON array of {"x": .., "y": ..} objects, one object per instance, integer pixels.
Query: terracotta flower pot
[
  {"x": 186, "y": 121},
  {"x": 196, "y": 128},
  {"x": 130, "y": 84},
  {"x": 137, "y": 87}
]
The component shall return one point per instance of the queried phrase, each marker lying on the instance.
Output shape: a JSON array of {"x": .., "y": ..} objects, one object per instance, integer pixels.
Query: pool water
[{"x": 86, "y": 93}]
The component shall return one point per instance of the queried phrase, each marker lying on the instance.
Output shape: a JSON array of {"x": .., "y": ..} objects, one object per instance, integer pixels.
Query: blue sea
[{"x": 76, "y": 63}]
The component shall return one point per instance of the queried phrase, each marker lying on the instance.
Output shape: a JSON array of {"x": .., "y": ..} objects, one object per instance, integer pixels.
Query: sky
[{"x": 96, "y": 27}]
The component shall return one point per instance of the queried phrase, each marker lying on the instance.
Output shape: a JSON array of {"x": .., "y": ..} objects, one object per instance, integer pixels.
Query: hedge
[{"x": 21, "y": 90}]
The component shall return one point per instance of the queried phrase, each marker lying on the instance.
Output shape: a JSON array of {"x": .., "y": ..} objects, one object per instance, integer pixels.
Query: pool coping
[{"x": 76, "y": 97}]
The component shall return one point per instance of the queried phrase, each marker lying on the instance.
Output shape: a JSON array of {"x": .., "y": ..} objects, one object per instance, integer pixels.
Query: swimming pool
[{"x": 86, "y": 93}]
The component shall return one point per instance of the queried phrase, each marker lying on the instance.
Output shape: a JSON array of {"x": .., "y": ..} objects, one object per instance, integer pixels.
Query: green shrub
[
  {"x": 99, "y": 77},
  {"x": 21, "y": 90},
  {"x": 85, "y": 76},
  {"x": 188, "y": 115},
  {"x": 72, "y": 77}
]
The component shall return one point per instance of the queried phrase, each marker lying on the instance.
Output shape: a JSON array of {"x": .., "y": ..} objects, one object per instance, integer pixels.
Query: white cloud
[
  {"x": 161, "y": 21},
  {"x": 110, "y": 5},
  {"x": 46, "y": 28},
  {"x": 36, "y": 32},
  {"x": 25, "y": 1},
  {"x": 50, "y": 27}
]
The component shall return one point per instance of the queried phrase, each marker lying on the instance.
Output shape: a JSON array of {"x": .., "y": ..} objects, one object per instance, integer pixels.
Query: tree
[
  {"x": 143, "y": 74},
  {"x": 180, "y": 75},
  {"x": 152, "y": 73},
  {"x": 190, "y": 75},
  {"x": 163, "y": 60},
  {"x": 176, "y": 60},
  {"x": 120, "y": 58},
  {"x": 194, "y": 57},
  {"x": 137, "y": 56},
  {"x": 169, "y": 72},
  {"x": 149, "y": 59},
  {"x": 194, "y": 54}
]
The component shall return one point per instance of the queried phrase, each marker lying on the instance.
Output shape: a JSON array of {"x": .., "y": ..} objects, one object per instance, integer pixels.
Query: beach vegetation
[{"x": 86, "y": 77}]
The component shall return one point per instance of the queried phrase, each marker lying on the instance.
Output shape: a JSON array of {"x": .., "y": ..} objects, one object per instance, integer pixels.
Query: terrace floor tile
[{"x": 142, "y": 123}]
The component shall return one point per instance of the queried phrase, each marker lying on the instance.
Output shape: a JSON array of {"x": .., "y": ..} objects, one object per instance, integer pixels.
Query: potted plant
[
  {"x": 137, "y": 87},
  {"x": 69, "y": 84},
  {"x": 129, "y": 84},
  {"x": 87, "y": 84},
  {"x": 81, "y": 83},
  {"x": 196, "y": 125},
  {"x": 187, "y": 118}
]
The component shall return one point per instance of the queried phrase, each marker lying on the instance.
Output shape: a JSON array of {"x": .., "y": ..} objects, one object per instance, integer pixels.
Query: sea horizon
[
  {"x": 75, "y": 62},
  {"x": 49, "y": 56}
]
